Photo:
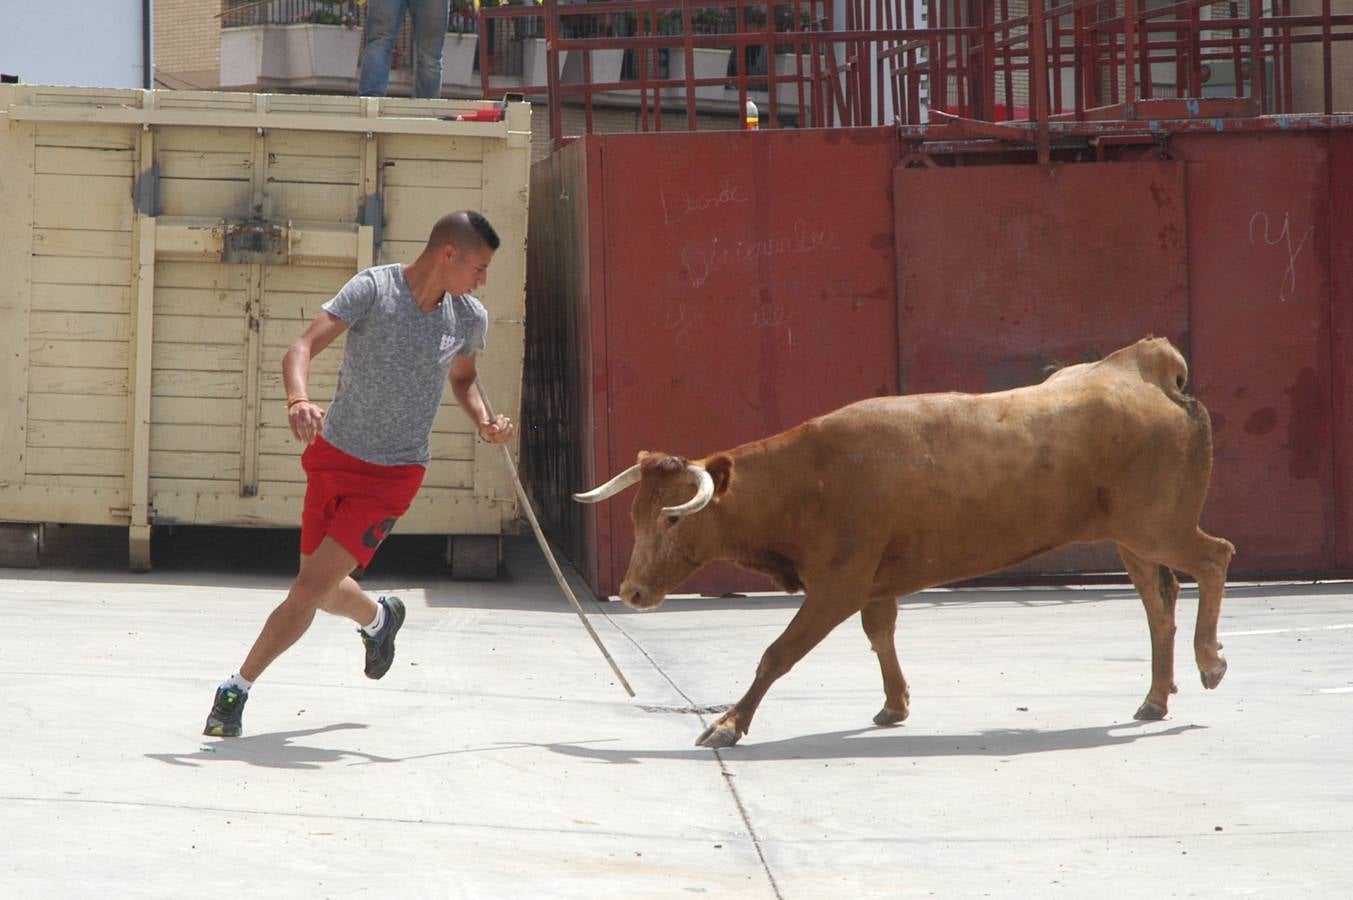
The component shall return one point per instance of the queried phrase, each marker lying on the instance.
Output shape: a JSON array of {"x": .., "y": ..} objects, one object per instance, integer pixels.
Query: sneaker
[
  {"x": 226, "y": 712},
  {"x": 380, "y": 650}
]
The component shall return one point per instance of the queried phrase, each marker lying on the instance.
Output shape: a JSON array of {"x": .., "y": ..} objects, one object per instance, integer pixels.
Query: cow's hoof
[
  {"x": 718, "y": 736},
  {"x": 888, "y": 716},
  {"x": 1149, "y": 712},
  {"x": 1213, "y": 678}
]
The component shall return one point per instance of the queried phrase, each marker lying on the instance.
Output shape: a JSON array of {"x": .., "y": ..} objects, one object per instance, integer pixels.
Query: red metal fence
[{"x": 898, "y": 61}]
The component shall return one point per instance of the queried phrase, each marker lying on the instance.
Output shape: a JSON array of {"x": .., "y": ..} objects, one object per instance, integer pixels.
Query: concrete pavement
[{"x": 500, "y": 759}]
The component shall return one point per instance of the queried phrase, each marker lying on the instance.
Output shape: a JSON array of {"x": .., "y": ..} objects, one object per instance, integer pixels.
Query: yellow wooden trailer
[{"x": 158, "y": 252}]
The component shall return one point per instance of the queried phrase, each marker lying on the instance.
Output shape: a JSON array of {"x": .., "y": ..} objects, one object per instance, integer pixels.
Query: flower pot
[
  {"x": 606, "y": 65},
  {"x": 710, "y": 62},
  {"x": 322, "y": 51},
  {"x": 787, "y": 92},
  {"x": 533, "y": 61},
  {"x": 458, "y": 58}
]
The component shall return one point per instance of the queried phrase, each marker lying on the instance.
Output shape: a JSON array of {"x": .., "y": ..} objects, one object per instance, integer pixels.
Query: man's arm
[
  {"x": 463, "y": 377},
  {"x": 303, "y": 416}
]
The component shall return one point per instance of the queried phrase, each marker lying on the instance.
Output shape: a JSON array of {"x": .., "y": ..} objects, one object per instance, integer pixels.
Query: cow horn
[
  {"x": 611, "y": 488},
  {"x": 704, "y": 492}
]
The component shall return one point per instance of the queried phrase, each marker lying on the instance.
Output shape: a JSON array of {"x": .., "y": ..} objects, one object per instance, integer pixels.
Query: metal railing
[{"x": 916, "y": 63}]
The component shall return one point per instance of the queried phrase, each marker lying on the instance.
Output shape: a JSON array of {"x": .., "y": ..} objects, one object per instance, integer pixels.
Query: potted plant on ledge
[{"x": 462, "y": 43}]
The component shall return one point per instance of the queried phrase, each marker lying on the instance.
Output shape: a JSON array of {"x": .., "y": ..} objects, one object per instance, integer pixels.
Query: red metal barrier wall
[
  {"x": 1260, "y": 301},
  {"x": 1341, "y": 333},
  {"x": 746, "y": 283},
  {"x": 737, "y": 284}
]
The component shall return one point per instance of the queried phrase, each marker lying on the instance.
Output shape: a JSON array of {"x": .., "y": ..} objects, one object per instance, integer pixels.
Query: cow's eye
[{"x": 672, "y": 520}]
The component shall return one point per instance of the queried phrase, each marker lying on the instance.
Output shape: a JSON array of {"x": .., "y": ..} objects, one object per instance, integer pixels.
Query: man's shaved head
[{"x": 466, "y": 230}]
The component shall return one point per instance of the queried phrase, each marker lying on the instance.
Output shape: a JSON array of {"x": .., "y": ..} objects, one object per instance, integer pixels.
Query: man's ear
[{"x": 720, "y": 468}]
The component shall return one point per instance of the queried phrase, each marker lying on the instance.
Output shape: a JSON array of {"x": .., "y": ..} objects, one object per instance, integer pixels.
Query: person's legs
[
  {"x": 430, "y": 18},
  {"x": 383, "y": 19},
  {"x": 319, "y": 585}
]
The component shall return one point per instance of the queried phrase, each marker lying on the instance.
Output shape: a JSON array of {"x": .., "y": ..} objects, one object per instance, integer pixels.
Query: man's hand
[
  {"x": 498, "y": 430},
  {"x": 305, "y": 419}
]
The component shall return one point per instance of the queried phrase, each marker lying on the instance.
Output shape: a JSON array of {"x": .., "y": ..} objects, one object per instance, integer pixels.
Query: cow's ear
[{"x": 720, "y": 468}]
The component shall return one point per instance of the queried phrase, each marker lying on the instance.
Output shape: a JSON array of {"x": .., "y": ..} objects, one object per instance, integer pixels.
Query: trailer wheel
[
  {"x": 21, "y": 544},
  {"x": 474, "y": 557}
]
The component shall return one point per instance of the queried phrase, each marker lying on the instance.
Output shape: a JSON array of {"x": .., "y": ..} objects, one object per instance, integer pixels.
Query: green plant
[
  {"x": 331, "y": 12},
  {"x": 708, "y": 20}
]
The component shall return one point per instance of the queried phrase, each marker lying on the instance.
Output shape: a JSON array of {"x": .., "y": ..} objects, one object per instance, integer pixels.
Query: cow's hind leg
[
  {"x": 879, "y": 619},
  {"x": 1207, "y": 559},
  {"x": 820, "y": 613},
  {"x": 1159, "y": 590}
]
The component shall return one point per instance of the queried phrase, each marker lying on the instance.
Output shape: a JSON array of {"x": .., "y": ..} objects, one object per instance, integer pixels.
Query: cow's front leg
[
  {"x": 1159, "y": 590},
  {"x": 879, "y": 619},
  {"x": 819, "y": 614}
]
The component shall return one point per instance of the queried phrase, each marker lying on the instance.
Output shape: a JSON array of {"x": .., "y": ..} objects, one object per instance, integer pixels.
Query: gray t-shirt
[{"x": 395, "y": 365}]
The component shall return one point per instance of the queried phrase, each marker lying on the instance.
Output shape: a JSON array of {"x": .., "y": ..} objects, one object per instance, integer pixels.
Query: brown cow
[{"x": 888, "y": 496}]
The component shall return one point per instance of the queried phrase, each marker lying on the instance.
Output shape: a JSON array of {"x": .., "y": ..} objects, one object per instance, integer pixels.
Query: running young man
[{"x": 411, "y": 328}]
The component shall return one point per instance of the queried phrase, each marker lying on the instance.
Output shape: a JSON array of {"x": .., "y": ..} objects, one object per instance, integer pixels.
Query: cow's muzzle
[{"x": 639, "y": 597}]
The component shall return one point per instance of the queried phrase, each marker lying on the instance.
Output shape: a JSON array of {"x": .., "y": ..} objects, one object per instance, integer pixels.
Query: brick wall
[{"x": 187, "y": 44}]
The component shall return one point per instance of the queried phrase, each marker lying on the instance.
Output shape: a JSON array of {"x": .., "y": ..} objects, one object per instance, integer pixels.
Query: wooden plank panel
[
  {"x": 293, "y": 491},
  {"x": 281, "y": 467},
  {"x": 193, "y": 139},
  {"x": 82, "y": 242},
  {"x": 450, "y": 474},
  {"x": 16, "y": 273},
  {"x": 89, "y": 354},
  {"x": 77, "y": 435},
  {"x": 73, "y": 499},
  {"x": 205, "y": 466},
  {"x": 104, "y": 137},
  {"x": 204, "y": 165},
  {"x": 106, "y": 161},
  {"x": 206, "y": 276},
  {"x": 202, "y": 385},
  {"x": 72, "y": 326},
  {"x": 198, "y": 330},
  {"x": 200, "y": 302},
  {"x": 282, "y": 143},
  {"x": 82, "y": 271},
  {"x": 410, "y": 213},
  {"x": 195, "y": 411},
  {"x": 277, "y": 439},
  {"x": 60, "y": 201},
  {"x": 317, "y": 169},
  {"x": 53, "y": 380},
  {"x": 76, "y": 461},
  {"x": 279, "y": 280},
  {"x": 196, "y": 438},
  {"x": 333, "y": 203},
  {"x": 199, "y": 357},
  {"x": 398, "y": 147},
  {"x": 292, "y": 312},
  {"x": 82, "y": 298},
  {"x": 434, "y": 173},
  {"x": 76, "y": 408},
  {"x": 402, "y": 251},
  {"x": 191, "y": 197}
]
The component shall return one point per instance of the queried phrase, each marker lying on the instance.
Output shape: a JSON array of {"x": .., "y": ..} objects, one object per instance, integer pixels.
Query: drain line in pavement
[{"x": 700, "y": 712}]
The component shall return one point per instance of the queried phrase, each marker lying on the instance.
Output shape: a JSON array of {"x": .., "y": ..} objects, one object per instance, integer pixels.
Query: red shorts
[{"x": 352, "y": 501}]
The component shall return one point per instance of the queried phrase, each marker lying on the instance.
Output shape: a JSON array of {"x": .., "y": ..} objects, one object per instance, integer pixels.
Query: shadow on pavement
[
  {"x": 275, "y": 750},
  {"x": 891, "y": 742}
]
